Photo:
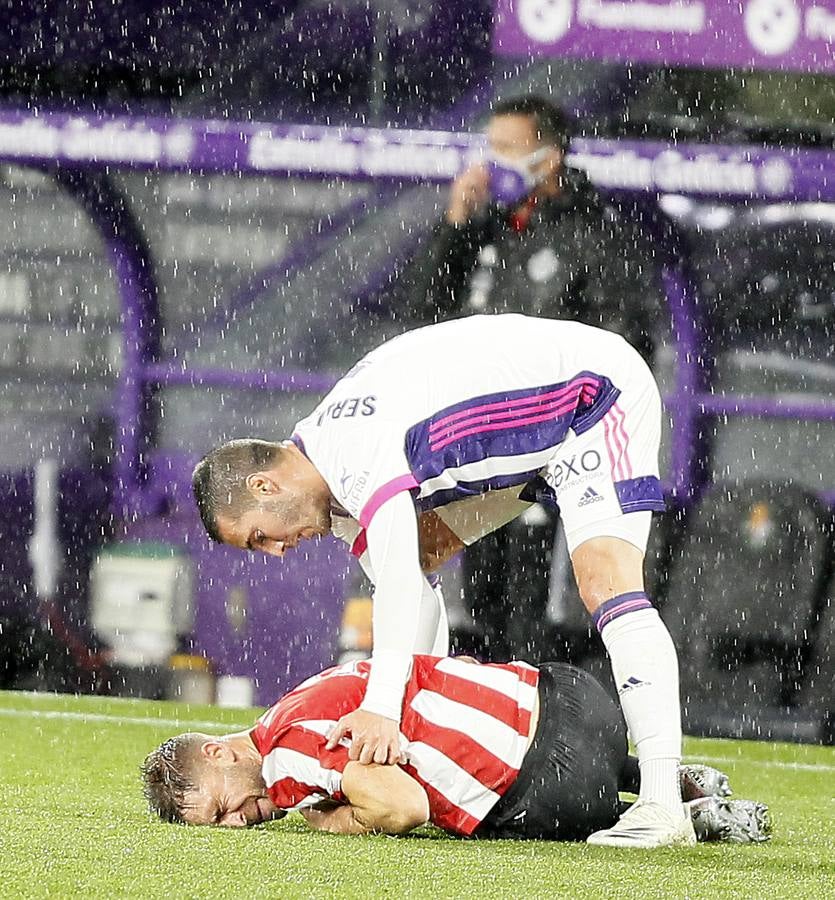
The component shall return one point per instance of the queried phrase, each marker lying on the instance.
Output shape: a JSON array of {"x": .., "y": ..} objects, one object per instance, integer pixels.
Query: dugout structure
[{"x": 196, "y": 280}]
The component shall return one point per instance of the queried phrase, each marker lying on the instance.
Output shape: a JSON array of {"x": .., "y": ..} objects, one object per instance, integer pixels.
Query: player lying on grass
[{"x": 499, "y": 751}]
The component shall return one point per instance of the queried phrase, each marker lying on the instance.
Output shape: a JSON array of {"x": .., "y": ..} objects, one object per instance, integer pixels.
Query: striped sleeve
[{"x": 299, "y": 771}]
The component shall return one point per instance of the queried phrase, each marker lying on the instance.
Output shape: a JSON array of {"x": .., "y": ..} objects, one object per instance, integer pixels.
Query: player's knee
[
  {"x": 594, "y": 589},
  {"x": 605, "y": 568}
]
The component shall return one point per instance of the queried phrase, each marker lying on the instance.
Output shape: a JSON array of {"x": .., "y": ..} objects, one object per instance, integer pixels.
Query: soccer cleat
[
  {"x": 730, "y": 821},
  {"x": 647, "y": 825},
  {"x": 699, "y": 781}
]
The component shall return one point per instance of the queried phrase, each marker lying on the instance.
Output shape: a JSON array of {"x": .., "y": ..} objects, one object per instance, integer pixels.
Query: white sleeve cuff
[{"x": 387, "y": 684}]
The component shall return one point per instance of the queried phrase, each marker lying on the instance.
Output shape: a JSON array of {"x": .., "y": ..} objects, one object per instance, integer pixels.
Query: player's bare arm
[{"x": 380, "y": 799}]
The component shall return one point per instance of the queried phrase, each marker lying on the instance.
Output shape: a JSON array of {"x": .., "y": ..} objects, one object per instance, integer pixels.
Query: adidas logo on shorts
[
  {"x": 631, "y": 683},
  {"x": 590, "y": 495}
]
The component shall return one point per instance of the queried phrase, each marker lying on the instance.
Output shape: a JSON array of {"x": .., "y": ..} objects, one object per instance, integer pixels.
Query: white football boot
[{"x": 645, "y": 826}]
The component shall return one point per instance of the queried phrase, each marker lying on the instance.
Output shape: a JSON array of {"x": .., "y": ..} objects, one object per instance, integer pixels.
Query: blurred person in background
[{"x": 525, "y": 232}]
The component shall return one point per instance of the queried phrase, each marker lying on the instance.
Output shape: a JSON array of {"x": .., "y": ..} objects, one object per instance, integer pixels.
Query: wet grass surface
[{"x": 74, "y": 824}]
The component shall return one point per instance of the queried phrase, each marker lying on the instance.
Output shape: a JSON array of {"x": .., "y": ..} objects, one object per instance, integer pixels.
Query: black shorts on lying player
[{"x": 568, "y": 785}]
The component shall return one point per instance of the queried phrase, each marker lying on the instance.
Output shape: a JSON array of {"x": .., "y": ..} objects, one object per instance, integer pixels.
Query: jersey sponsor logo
[
  {"x": 346, "y": 482},
  {"x": 352, "y": 487},
  {"x": 590, "y": 495},
  {"x": 349, "y": 408},
  {"x": 575, "y": 469}
]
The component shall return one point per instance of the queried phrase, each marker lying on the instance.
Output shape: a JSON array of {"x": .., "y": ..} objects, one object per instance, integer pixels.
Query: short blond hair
[{"x": 169, "y": 774}]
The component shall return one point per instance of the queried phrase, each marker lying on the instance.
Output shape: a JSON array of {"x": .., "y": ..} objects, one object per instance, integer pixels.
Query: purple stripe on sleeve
[
  {"x": 585, "y": 386},
  {"x": 545, "y": 416},
  {"x": 478, "y": 428}
]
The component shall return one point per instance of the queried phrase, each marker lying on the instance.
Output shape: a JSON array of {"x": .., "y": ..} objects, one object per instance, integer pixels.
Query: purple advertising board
[
  {"x": 792, "y": 35},
  {"x": 75, "y": 141}
]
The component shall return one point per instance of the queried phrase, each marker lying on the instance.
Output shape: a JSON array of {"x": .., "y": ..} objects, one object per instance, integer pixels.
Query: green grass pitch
[{"x": 74, "y": 824}]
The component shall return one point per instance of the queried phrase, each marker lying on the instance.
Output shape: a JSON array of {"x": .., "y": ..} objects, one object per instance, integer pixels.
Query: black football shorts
[{"x": 568, "y": 784}]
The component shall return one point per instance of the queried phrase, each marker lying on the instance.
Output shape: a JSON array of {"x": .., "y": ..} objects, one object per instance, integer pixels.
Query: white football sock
[{"x": 645, "y": 667}]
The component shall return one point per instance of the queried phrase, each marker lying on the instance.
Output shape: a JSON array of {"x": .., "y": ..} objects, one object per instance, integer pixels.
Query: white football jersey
[{"x": 468, "y": 410}]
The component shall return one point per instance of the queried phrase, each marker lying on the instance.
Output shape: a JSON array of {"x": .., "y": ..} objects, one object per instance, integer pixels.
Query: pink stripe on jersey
[
  {"x": 499, "y": 426},
  {"x": 626, "y": 463},
  {"x": 589, "y": 391},
  {"x": 518, "y": 419},
  {"x": 629, "y": 606},
  {"x": 360, "y": 544},
  {"x": 616, "y": 442},
  {"x": 607, "y": 440},
  {"x": 535, "y": 399},
  {"x": 384, "y": 493}
]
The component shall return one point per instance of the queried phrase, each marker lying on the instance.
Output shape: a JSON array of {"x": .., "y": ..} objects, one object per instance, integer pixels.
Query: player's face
[
  {"x": 278, "y": 523},
  {"x": 232, "y": 797}
]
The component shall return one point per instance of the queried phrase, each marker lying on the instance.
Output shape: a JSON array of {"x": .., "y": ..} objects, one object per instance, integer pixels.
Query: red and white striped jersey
[{"x": 464, "y": 731}]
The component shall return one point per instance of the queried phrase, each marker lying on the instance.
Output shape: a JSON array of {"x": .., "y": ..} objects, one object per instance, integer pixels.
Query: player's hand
[
  {"x": 374, "y": 738},
  {"x": 469, "y": 192}
]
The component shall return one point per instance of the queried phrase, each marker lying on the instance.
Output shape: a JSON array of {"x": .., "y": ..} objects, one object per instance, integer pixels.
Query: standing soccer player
[{"x": 439, "y": 437}]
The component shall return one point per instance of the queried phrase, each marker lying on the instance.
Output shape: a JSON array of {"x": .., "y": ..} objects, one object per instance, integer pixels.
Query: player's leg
[
  {"x": 591, "y": 745},
  {"x": 484, "y": 591},
  {"x": 629, "y": 780},
  {"x": 432, "y": 631},
  {"x": 568, "y": 784},
  {"x": 606, "y": 482},
  {"x": 609, "y": 574},
  {"x": 706, "y": 794}
]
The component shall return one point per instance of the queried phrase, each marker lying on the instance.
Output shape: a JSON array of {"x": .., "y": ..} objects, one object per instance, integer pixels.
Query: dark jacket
[{"x": 577, "y": 258}]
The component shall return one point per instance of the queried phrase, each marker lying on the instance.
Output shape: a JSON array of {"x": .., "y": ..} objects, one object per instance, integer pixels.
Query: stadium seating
[{"x": 746, "y": 610}]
